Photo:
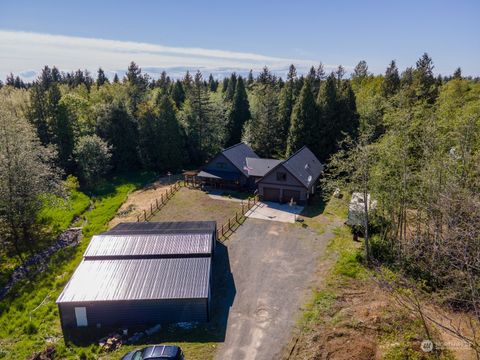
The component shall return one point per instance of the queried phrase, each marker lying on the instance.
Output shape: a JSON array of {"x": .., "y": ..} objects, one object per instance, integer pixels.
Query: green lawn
[{"x": 29, "y": 319}]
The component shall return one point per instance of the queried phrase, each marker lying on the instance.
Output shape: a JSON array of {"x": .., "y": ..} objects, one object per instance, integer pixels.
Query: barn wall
[{"x": 130, "y": 313}]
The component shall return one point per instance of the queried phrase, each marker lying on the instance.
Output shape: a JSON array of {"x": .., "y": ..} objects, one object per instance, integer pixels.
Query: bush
[
  {"x": 30, "y": 329},
  {"x": 381, "y": 250}
]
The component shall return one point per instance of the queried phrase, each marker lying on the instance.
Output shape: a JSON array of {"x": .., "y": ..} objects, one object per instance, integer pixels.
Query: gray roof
[
  {"x": 138, "y": 279},
  {"x": 260, "y": 167},
  {"x": 237, "y": 155},
  {"x": 217, "y": 174},
  {"x": 180, "y": 227},
  {"x": 149, "y": 245},
  {"x": 305, "y": 166}
]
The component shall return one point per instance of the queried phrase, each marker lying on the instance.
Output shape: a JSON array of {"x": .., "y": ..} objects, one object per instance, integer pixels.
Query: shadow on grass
[
  {"x": 223, "y": 292},
  {"x": 315, "y": 207}
]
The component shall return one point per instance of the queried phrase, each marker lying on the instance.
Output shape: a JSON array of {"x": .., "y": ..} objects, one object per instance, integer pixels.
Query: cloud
[{"x": 25, "y": 53}]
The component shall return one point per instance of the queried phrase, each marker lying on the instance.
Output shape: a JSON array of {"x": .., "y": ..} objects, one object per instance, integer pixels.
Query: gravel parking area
[{"x": 272, "y": 264}]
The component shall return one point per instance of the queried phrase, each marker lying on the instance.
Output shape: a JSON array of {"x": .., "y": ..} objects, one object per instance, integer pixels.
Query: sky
[{"x": 225, "y": 36}]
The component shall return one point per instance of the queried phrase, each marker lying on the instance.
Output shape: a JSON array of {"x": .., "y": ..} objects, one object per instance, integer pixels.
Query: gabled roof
[
  {"x": 237, "y": 155},
  {"x": 259, "y": 167},
  {"x": 305, "y": 166}
]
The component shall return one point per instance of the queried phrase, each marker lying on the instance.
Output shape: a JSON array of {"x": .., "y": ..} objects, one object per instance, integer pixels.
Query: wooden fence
[
  {"x": 234, "y": 222},
  {"x": 160, "y": 202}
]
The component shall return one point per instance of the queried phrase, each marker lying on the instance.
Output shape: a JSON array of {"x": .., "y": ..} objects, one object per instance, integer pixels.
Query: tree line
[{"x": 418, "y": 156}]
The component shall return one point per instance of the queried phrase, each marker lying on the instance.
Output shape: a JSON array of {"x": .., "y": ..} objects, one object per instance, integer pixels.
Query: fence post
[
  {"x": 145, "y": 214},
  {"x": 229, "y": 228},
  {"x": 243, "y": 210},
  {"x": 156, "y": 203},
  {"x": 138, "y": 218},
  {"x": 236, "y": 217},
  {"x": 151, "y": 209},
  {"x": 248, "y": 205}
]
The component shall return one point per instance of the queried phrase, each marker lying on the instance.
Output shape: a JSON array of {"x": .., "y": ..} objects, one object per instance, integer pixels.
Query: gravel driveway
[{"x": 272, "y": 264}]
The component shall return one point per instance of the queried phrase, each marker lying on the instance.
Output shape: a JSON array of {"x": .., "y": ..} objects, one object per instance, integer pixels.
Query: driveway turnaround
[
  {"x": 275, "y": 212},
  {"x": 273, "y": 264}
]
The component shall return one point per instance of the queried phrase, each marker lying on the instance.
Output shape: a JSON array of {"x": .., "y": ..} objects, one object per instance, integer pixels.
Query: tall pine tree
[
  {"x": 304, "y": 119},
  {"x": 239, "y": 113}
]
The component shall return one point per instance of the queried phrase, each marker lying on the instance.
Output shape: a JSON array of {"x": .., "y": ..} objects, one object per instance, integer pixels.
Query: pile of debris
[
  {"x": 38, "y": 262},
  {"x": 47, "y": 354},
  {"x": 111, "y": 342}
]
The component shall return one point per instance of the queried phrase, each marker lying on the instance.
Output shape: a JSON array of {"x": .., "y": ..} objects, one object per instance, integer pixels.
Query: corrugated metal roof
[
  {"x": 259, "y": 167},
  {"x": 180, "y": 227},
  {"x": 237, "y": 155},
  {"x": 305, "y": 166},
  {"x": 138, "y": 279},
  {"x": 149, "y": 245}
]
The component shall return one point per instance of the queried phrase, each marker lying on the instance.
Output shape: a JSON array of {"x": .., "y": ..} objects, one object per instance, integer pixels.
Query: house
[
  {"x": 229, "y": 168},
  {"x": 293, "y": 179},
  {"x": 142, "y": 274},
  {"x": 276, "y": 180}
]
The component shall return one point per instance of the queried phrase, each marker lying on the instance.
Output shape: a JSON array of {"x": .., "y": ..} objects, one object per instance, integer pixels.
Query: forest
[{"x": 409, "y": 138}]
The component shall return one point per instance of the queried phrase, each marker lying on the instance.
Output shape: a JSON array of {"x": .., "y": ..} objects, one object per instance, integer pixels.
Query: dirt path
[
  {"x": 273, "y": 265},
  {"x": 138, "y": 201}
]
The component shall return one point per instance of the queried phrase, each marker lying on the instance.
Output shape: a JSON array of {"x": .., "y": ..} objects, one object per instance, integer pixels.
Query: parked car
[{"x": 156, "y": 352}]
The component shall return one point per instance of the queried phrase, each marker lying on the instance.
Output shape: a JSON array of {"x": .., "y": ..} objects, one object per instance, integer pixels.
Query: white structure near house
[{"x": 356, "y": 209}]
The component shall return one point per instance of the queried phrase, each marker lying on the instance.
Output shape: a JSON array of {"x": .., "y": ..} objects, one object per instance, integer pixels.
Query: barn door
[{"x": 81, "y": 316}]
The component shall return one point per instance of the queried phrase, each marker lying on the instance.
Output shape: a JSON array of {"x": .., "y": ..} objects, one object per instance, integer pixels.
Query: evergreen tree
[
  {"x": 116, "y": 126},
  {"x": 225, "y": 84},
  {"x": 265, "y": 77},
  {"x": 262, "y": 131},
  {"x": 101, "y": 78},
  {"x": 361, "y": 71},
  {"x": 424, "y": 80},
  {"x": 303, "y": 125},
  {"x": 212, "y": 83},
  {"x": 391, "y": 81},
  {"x": 178, "y": 94},
  {"x": 10, "y": 80},
  {"x": 232, "y": 83},
  {"x": 116, "y": 80},
  {"x": 250, "y": 79},
  {"x": 200, "y": 122},
  {"x": 327, "y": 121},
  {"x": 286, "y": 102},
  {"x": 458, "y": 73},
  {"x": 239, "y": 114},
  {"x": 187, "y": 82},
  {"x": 160, "y": 138}
]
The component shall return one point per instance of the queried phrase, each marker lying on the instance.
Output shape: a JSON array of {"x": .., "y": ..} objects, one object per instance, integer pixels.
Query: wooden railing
[
  {"x": 160, "y": 202},
  {"x": 234, "y": 222}
]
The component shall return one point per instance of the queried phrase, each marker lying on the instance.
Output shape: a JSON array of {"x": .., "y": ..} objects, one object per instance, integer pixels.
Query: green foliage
[
  {"x": 303, "y": 125},
  {"x": 58, "y": 213},
  {"x": 93, "y": 159},
  {"x": 239, "y": 113},
  {"x": 161, "y": 142},
  {"x": 29, "y": 314},
  {"x": 119, "y": 129}
]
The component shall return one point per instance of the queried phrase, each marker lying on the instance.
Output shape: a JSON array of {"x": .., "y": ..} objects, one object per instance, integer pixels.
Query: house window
[
  {"x": 281, "y": 176},
  {"x": 221, "y": 165}
]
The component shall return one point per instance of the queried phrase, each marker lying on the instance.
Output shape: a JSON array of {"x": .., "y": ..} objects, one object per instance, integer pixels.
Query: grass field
[
  {"x": 194, "y": 205},
  {"x": 29, "y": 319}
]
